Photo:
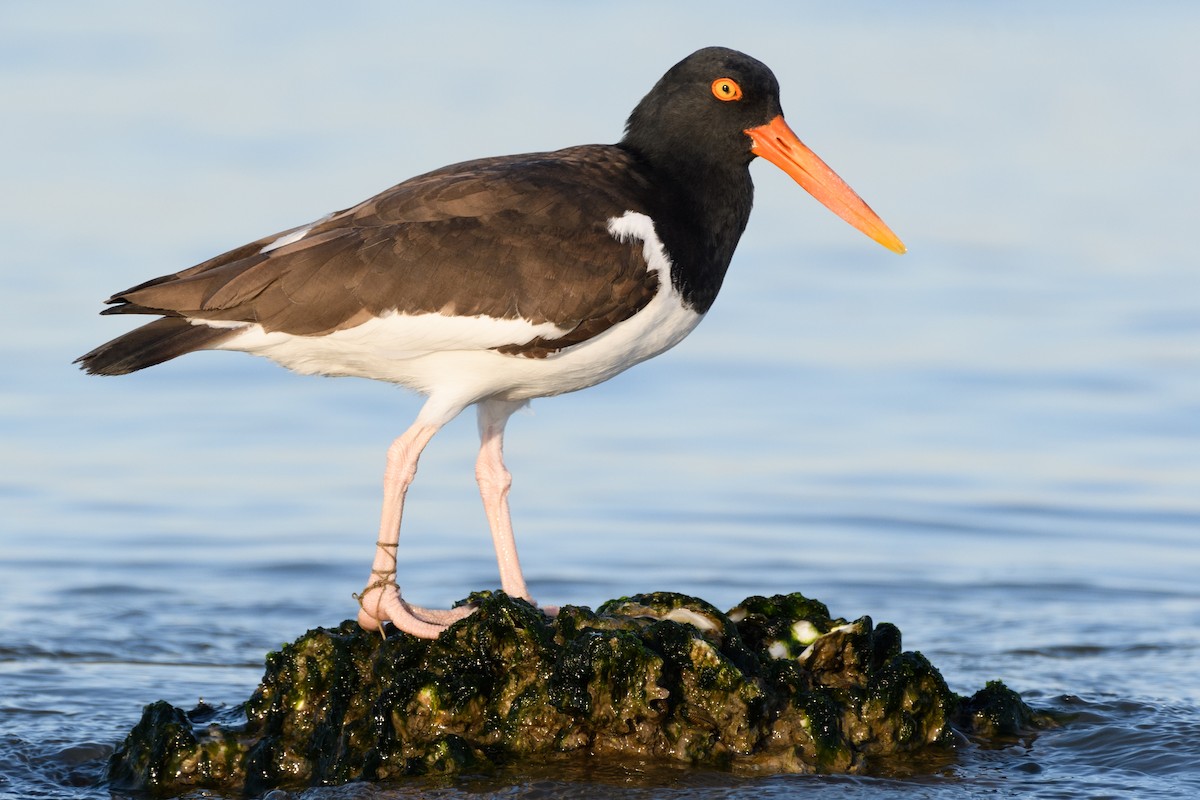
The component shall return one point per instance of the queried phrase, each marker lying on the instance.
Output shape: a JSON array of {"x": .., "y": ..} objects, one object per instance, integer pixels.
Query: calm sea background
[{"x": 993, "y": 442}]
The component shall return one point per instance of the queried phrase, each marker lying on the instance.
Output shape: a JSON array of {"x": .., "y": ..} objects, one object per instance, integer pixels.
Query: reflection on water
[{"x": 993, "y": 442}]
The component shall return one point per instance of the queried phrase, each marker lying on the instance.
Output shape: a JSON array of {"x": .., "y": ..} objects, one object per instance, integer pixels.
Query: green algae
[{"x": 775, "y": 685}]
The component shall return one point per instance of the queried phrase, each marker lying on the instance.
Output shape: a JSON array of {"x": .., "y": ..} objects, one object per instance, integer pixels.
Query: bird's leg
[
  {"x": 380, "y": 601},
  {"x": 494, "y": 482}
]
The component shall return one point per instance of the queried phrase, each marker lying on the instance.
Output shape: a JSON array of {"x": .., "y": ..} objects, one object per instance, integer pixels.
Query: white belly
[{"x": 451, "y": 359}]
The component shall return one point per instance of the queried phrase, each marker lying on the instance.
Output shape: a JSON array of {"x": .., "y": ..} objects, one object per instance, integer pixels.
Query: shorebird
[{"x": 496, "y": 281}]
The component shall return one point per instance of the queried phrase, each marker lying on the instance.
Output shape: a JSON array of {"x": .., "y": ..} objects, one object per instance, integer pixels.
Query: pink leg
[
  {"x": 380, "y": 601},
  {"x": 494, "y": 483}
]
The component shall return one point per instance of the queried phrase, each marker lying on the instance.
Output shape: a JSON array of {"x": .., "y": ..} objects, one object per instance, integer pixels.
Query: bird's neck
[{"x": 700, "y": 212}]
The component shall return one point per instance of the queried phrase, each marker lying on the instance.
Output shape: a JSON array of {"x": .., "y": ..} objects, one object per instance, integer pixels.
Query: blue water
[{"x": 993, "y": 442}]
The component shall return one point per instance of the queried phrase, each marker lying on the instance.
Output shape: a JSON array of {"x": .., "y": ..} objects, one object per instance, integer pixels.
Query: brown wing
[{"x": 513, "y": 237}]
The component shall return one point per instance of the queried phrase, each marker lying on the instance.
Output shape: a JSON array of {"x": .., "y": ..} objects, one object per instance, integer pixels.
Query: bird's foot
[{"x": 381, "y": 603}]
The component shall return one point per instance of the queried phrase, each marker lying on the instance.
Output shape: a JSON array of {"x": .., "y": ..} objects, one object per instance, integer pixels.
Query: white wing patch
[
  {"x": 286, "y": 239},
  {"x": 294, "y": 235}
]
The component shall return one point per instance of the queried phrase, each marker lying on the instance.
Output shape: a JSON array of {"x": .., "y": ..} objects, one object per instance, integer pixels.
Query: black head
[
  {"x": 709, "y": 116},
  {"x": 699, "y": 110}
]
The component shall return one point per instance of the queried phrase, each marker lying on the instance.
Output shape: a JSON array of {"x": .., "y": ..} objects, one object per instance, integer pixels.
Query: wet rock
[
  {"x": 775, "y": 685},
  {"x": 997, "y": 714}
]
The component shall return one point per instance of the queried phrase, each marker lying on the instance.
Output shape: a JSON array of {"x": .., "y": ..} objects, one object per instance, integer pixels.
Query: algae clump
[{"x": 774, "y": 685}]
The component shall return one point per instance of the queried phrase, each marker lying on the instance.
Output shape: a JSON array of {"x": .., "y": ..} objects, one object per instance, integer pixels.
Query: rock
[
  {"x": 775, "y": 685},
  {"x": 997, "y": 713}
]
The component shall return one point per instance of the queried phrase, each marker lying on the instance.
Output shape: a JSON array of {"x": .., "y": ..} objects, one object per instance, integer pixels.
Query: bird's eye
[{"x": 726, "y": 89}]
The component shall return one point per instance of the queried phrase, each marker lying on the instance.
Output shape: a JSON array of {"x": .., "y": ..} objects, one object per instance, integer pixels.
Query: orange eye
[{"x": 726, "y": 89}]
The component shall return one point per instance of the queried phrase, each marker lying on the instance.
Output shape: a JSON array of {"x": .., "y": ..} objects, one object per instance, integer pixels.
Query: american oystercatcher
[{"x": 496, "y": 281}]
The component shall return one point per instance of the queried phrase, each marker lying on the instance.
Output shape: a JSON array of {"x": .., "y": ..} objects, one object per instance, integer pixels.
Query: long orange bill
[{"x": 776, "y": 142}]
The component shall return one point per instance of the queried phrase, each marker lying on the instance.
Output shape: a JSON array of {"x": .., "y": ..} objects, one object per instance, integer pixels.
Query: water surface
[{"x": 993, "y": 442}]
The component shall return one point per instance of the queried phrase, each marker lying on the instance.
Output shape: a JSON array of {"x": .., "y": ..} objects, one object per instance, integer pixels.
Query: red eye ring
[{"x": 726, "y": 89}]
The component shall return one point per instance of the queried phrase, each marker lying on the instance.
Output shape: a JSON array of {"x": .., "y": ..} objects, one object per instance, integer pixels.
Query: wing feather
[{"x": 514, "y": 237}]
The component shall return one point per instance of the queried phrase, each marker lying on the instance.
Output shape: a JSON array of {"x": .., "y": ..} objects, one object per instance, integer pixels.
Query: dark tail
[{"x": 151, "y": 344}]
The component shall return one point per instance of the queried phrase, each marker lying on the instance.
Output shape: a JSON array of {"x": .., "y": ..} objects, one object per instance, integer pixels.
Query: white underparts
[{"x": 453, "y": 360}]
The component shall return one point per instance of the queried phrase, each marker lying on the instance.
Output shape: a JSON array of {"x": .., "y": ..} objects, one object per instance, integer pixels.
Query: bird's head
[{"x": 719, "y": 108}]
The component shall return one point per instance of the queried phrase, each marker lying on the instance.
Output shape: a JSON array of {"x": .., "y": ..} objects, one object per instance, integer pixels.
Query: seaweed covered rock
[{"x": 774, "y": 685}]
